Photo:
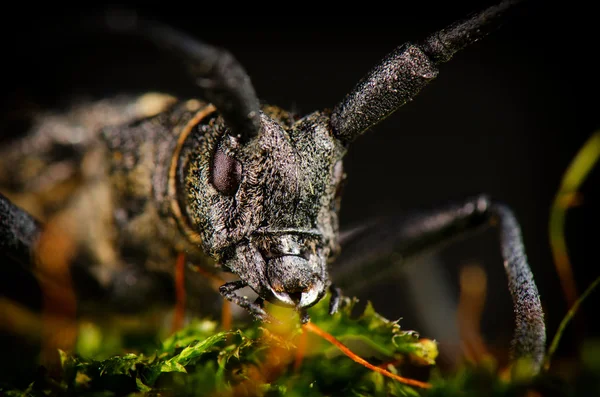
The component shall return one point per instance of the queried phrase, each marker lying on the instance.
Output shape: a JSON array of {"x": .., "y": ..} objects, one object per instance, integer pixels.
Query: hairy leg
[{"x": 412, "y": 235}]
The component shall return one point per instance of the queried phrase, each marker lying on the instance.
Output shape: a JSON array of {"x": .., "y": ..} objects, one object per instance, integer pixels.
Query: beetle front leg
[
  {"x": 227, "y": 290},
  {"x": 412, "y": 235}
]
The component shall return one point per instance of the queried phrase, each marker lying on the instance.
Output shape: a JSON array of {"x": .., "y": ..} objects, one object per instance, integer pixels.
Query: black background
[{"x": 504, "y": 117}]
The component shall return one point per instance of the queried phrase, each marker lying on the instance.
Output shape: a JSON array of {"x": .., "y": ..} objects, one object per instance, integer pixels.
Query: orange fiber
[
  {"x": 331, "y": 339},
  {"x": 179, "y": 314}
]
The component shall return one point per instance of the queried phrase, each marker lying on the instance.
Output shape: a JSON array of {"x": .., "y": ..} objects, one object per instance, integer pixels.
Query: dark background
[{"x": 505, "y": 117}]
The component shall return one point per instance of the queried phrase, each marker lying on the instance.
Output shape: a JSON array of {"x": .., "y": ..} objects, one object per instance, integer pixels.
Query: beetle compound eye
[{"x": 225, "y": 173}]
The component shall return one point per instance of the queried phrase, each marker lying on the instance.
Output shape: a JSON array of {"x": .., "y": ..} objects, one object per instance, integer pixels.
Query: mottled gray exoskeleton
[{"x": 250, "y": 188}]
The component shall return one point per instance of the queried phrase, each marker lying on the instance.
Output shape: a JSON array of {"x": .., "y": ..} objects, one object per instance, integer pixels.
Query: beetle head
[{"x": 267, "y": 209}]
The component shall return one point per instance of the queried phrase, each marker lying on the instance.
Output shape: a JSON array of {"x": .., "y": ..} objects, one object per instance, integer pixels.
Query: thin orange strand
[
  {"x": 179, "y": 293},
  {"x": 216, "y": 282},
  {"x": 54, "y": 252},
  {"x": 331, "y": 339},
  {"x": 226, "y": 315},
  {"x": 301, "y": 350}
]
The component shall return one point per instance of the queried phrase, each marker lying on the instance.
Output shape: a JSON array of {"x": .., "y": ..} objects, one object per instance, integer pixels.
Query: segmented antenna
[
  {"x": 442, "y": 45},
  {"x": 405, "y": 71},
  {"x": 222, "y": 79}
]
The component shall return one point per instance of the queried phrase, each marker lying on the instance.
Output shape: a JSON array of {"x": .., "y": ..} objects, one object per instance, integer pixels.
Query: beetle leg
[
  {"x": 227, "y": 290},
  {"x": 304, "y": 317},
  {"x": 260, "y": 302},
  {"x": 19, "y": 232},
  {"x": 413, "y": 235},
  {"x": 334, "y": 301}
]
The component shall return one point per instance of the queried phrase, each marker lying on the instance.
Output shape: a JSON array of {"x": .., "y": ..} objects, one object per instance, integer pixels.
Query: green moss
[{"x": 258, "y": 359}]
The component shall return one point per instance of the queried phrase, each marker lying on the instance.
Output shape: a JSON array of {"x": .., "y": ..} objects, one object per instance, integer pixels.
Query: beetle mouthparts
[
  {"x": 295, "y": 281},
  {"x": 298, "y": 299}
]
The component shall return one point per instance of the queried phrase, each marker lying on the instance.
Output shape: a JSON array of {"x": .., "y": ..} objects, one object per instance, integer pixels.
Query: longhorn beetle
[{"x": 249, "y": 188}]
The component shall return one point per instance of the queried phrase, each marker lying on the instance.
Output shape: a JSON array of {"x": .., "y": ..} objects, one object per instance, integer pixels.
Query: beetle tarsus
[
  {"x": 334, "y": 301},
  {"x": 304, "y": 317},
  {"x": 255, "y": 308}
]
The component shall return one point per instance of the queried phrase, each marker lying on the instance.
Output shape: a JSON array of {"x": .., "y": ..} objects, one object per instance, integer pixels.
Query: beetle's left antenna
[
  {"x": 405, "y": 71},
  {"x": 223, "y": 81}
]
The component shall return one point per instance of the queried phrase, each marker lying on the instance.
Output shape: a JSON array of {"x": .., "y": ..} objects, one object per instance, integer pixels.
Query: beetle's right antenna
[
  {"x": 406, "y": 70},
  {"x": 223, "y": 81}
]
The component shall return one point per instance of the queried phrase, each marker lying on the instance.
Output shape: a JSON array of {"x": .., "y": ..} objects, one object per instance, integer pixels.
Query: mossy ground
[{"x": 284, "y": 360}]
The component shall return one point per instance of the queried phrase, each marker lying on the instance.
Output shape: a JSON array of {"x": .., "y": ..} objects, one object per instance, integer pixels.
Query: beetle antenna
[
  {"x": 222, "y": 79},
  {"x": 442, "y": 45},
  {"x": 406, "y": 70}
]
